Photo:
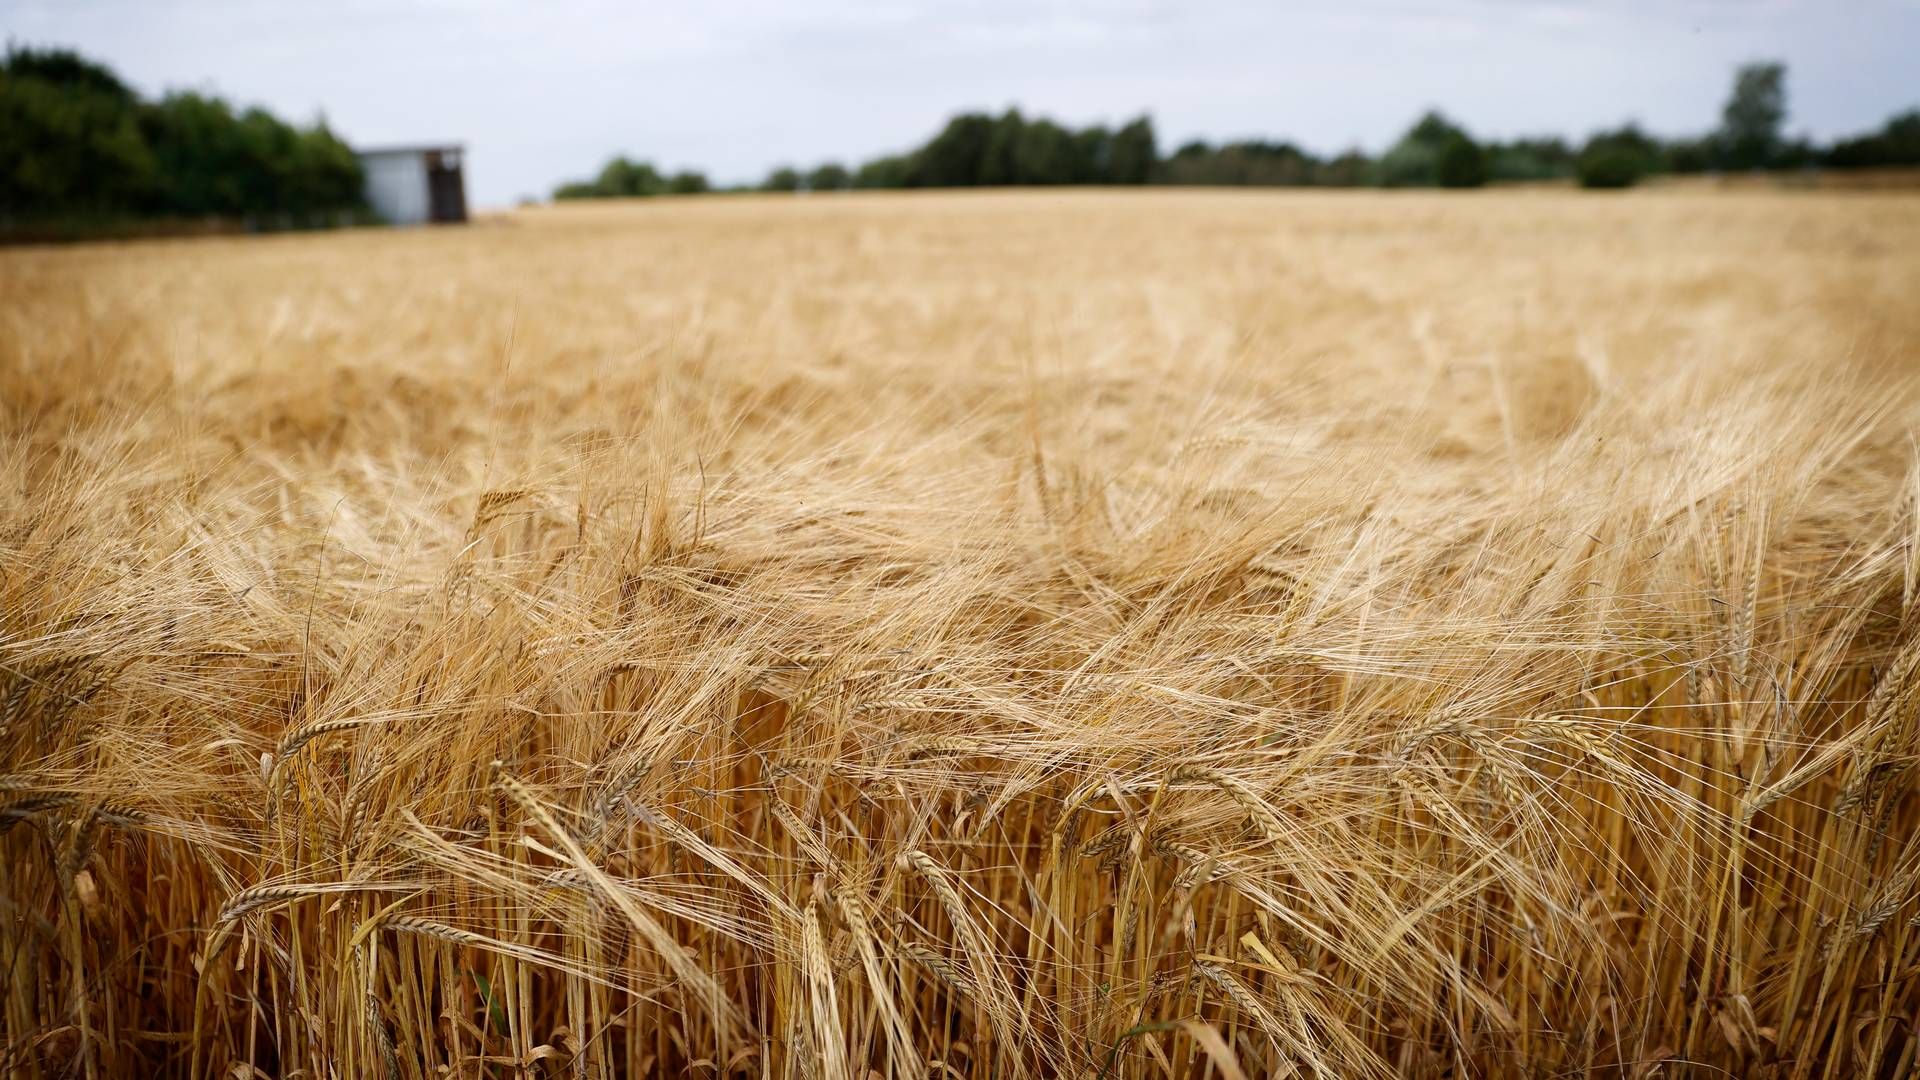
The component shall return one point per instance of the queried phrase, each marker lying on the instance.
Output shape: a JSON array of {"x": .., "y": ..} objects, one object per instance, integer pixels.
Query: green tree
[
  {"x": 1093, "y": 155},
  {"x": 1134, "y": 153},
  {"x": 1619, "y": 158},
  {"x": 1350, "y": 169},
  {"x": 623, "y": 177},
  {"x": 1190, "y": 163},
  {"x": 1610, "y": 167},
  {"x": 1540, "y": 158},
  {"x": 214, "y": 161},
  {"x": 1896, "y": 143},
  {"x": 76, "y": 143},
  {"x": 1695, "y": 155},
  {"x": 999, "y": 162},
  {"x": 784, "y": 178},
  {"x": 327, "y": 175},
  {"x": 1433, "y": 153},
  {"x": 829, "y": 176},
  {"x": 688, "y": 182},
  {"x": 1245, "y": 163},
  {"x": 956, "y": 157},
  {"x": 70, "y": 140},
  {"x": 891, "y": 171},
  {"x": 1045, "y": 154},
  {"x": 1462, "y": 164},
  {"x": 619, "y": 178},
  {"x": 67, "y": 71},
  {"x": 202, "y": 157},
  {"x": 1749, "y": 134},
  {"x": 267, "y": 148}
]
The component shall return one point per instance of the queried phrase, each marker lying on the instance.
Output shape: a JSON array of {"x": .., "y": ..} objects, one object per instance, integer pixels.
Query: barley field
[{"x": 1135, "y": 634}]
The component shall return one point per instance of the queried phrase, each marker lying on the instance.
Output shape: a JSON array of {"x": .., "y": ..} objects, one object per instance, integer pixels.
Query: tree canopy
[
  {"x": 76, "y": 143},
  {"x": 1750, "y": 121},
  {"x": 1897, "y": 143},
  {"x": 622, "y": 178},
  {"x": 978, "y": 149}
]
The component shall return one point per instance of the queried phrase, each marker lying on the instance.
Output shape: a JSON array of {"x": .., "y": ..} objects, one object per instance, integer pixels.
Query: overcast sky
[{"x": 545, "y": 91}]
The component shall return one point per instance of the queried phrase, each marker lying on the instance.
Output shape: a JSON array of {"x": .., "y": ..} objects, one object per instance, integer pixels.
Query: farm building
[{"x": 416, "y": 185}]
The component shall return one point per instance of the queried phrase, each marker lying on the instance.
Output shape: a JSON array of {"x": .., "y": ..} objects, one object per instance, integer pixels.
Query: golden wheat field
[{"x": 1005, "y": 635}]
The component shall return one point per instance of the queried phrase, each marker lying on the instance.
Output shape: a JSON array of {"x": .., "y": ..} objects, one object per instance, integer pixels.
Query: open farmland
[{"x": 1126, "y": 634}]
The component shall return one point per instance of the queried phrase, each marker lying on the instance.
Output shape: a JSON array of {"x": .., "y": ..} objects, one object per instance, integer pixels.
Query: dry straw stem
[
  {"x": 899, "y": 1036},
  {"x": 677, "y": 956},
  {"x": 823, "y": 1003},
  {"x": 1150, "y": 634}
]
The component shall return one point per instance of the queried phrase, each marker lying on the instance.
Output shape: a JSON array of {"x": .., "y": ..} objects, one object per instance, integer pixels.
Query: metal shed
[{"x": 415, "y": 185}]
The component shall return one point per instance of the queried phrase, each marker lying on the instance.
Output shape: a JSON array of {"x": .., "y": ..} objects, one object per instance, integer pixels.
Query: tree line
[
  {"x": 979, "y": 149},
  {"x": 77, "y": 145},
  {"x": 79, "y": 148}
]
